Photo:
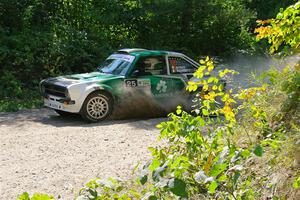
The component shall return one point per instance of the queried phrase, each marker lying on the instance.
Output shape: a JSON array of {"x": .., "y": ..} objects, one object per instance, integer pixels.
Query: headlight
[
  {"x": 42, "y": 87},
  {"x": 67, "y": 94}
]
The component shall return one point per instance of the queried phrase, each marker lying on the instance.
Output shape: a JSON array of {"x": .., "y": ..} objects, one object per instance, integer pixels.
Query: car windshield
[{"x": 116, "y": 64}]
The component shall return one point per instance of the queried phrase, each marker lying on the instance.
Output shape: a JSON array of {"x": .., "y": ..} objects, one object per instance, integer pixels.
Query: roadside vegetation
[{"x": 250, "y": 149}]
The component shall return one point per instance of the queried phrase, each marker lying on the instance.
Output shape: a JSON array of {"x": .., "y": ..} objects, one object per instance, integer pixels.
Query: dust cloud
[{"x": 249, "y": 67}]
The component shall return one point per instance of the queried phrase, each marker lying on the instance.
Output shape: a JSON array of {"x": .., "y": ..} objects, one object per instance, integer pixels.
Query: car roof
[{"x": 146, "y": 52}]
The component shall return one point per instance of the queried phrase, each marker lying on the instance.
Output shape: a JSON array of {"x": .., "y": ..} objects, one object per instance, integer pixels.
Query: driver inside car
[{"x": 143, "y": 66}]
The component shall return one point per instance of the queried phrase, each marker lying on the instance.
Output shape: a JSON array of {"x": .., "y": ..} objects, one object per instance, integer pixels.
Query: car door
[
  {"x": 150, "y": 79},
  {"x": 181, "y": 71}
]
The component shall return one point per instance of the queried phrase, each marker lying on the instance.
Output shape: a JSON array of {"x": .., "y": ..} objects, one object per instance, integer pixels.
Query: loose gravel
[{"x": 43, "y": 152}]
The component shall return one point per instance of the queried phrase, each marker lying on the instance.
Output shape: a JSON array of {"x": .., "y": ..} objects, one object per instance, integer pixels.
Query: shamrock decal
[{"x": 161, "y": 86}]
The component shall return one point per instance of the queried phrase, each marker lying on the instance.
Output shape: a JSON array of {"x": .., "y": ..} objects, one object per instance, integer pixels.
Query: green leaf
[
  {"x": 211, "y": 79},
  {"x": 143, "y": 177},
  {"x": 93, "y": 183},
  {"x": 149, "y": 196},
  {"x": 198, "y": 74},
  {"x": 205, "y": 112},
  {"x": 212, "y": 187},
  {"x": 24, "y": 196},
  {"x": 200, "y": 120},
  {"x": 155, "y": 164},
  {"x": 38, "y": 196},
  {"x": 221, "y": 74},
  {"x": 236, "y": 177},
  {"x": 178, "y": 187},
  {"x": 258, "y": 150},
  {"x": 202, "y": 62},
  {"x": 245, "y": 153},
  {"x": 179, "y": 110},
  {"x": 296, "y": 183},
  {"x": 152, "y": 197},
  {"x": 217, "y": 169},
  {"x": 158, "y": 173},
  {"x": 222, "y": 178}
]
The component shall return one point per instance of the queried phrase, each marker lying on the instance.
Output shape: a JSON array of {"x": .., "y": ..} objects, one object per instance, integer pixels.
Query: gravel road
[{"x": 43, "y": 152}]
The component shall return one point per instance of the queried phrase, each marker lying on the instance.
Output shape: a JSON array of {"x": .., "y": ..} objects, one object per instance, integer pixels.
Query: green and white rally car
[{"x": 126, "y": 78}]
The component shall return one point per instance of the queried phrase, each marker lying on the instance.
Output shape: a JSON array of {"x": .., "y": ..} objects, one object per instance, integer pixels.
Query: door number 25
[{"x": 131, "y": 83}]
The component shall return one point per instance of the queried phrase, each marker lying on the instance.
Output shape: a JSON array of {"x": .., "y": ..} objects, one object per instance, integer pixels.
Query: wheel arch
[
  {"x": 107, "y": 92},
  {"x": 103, "y": 91}
]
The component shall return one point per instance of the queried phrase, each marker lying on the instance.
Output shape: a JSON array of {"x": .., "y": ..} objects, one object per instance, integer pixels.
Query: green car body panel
[{"x": 129, "y": 76}]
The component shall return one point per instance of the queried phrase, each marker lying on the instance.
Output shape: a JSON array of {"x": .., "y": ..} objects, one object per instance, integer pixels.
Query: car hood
[
  {"x": 90, "y": 76},
  {"x": 80, "y": 78}
]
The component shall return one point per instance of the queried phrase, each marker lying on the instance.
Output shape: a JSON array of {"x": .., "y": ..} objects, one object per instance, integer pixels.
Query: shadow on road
[{"x": 48, "y": 117}]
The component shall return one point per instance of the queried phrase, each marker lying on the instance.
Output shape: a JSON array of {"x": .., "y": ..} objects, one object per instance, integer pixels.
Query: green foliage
[
  {"x": 13, "y": 96},
  {"x": 267, "y": 9},
  {"x": 291, "y": 86},
  {"x": 258, "y": 150},
  {"x": 296, "y": 183},
  {"x": 284, "y": 30},
  {"x": 36, "y": 196},
  {"x": 30, "y": 100},
  {"x": 107, "y": 189}
]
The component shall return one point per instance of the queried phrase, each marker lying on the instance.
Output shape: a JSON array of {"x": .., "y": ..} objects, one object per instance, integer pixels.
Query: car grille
[{"x": 52, "y": 89}]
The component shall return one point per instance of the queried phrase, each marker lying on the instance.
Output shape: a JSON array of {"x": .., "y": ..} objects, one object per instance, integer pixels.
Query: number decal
[{"x": 131, "y": 83}]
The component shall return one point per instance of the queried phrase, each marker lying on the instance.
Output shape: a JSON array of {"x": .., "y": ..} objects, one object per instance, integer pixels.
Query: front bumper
[{"x": 59, "y": 103}]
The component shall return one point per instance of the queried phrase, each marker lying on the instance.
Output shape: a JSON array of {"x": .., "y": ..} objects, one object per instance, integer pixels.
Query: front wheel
[{"x": 97, "y": 107}]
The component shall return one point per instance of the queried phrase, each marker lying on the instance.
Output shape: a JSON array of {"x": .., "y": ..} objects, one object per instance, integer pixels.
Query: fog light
[{"x": 69, "y": 102}]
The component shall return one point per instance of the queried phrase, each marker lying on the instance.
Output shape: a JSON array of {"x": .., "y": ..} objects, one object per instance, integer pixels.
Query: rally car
[{"x": 126, "y": 78}]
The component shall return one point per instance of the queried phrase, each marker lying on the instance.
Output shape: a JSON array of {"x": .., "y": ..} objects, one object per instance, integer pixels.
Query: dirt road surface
[{"x": 43, "y": 152}]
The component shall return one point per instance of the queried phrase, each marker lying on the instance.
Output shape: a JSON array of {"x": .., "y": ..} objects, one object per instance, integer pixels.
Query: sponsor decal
[
  {"x": 173, "y": 64},
  {"x": 128, "y": 58},
  {"x": 161, "y": 86},
  {"x": 138, "y": 83},
  {"x": 144, "y": 82},
  {"x": 163, "y": 95},
  {"x": 180, "y": 65}
]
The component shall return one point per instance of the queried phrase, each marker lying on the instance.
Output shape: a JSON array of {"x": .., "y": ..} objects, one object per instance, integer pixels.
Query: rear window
[{"x": 179, "y": 65}]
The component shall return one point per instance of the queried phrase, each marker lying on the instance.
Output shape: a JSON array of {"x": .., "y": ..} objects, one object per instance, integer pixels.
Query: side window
[
  {"x": 179, "y": 65},
  {"x": 152, "y": 65}
]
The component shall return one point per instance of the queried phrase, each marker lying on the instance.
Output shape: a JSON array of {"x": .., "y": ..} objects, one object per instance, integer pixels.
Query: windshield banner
[{"x": 127, "y": 58}]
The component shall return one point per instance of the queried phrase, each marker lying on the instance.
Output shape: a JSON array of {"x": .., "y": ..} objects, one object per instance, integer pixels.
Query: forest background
[{"x": 39, "y": 39}]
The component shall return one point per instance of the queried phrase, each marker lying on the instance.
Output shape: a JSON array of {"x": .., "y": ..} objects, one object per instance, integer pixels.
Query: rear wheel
[{"x": 97, "y": 107}]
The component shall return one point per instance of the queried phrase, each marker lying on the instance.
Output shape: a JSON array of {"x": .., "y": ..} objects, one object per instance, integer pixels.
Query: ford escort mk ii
[{"x": 126, "y": 76}]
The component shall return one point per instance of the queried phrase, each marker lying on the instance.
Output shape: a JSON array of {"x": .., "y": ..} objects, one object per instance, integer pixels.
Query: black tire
[
  {"x": 63, "y": 113},
  {"x": 97, "y": 107}
]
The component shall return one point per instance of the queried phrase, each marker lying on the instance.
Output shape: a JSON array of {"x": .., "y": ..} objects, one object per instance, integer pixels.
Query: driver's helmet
[{"x": 146, "y": 64}]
